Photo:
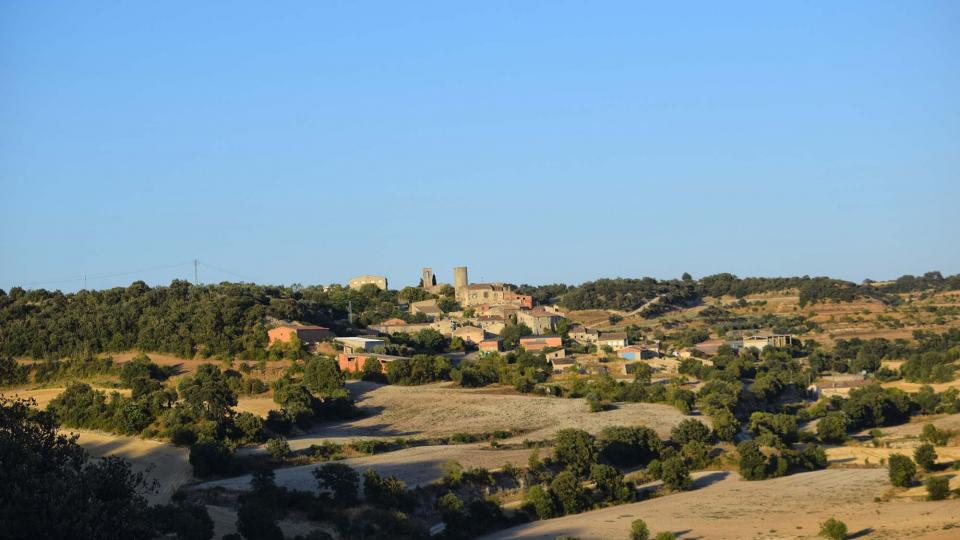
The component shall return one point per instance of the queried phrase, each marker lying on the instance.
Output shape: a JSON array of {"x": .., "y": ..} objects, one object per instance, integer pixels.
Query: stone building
[{"x": 369, "y": 279}]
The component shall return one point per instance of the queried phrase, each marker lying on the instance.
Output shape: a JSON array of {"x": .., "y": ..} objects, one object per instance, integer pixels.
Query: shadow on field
[
  {"x": 710, "y": 479},
  {"x": 861, "y": 533}
]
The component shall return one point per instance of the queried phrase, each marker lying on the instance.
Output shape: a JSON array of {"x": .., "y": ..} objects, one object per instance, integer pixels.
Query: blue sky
[{"x": 532, "y": 141}]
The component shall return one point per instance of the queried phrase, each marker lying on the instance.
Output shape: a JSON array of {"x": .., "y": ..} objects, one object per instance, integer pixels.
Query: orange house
[
  {"x": 541, "y": 342},
  {"x": 309, "y": 335}
]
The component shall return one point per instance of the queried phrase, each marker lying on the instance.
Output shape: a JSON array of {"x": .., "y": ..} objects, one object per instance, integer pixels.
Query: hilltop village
[{"x": 458, "y": 410}]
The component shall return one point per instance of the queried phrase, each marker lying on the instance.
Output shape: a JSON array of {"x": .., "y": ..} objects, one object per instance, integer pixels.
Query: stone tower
[
  {"x": 427, "y": 279},
  {"x": 460, "y": 281}
]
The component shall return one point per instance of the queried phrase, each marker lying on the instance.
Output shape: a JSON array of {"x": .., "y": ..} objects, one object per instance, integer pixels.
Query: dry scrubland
[
  {"x": 789, "y": 507},
  {"x": 844, "y": 320}
]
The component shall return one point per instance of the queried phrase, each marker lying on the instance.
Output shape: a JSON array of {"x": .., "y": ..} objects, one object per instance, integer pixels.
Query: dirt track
[
  {"x": 415, "y": 466},
  {"x": 790, "y": 507}
]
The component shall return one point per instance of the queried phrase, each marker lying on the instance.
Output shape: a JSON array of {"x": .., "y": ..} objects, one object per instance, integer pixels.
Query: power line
[
  {"x": 85, "y": 277},
  {"x": 241, "y": 276}
]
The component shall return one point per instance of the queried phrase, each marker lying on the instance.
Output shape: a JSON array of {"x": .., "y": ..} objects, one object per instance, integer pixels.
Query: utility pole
[
  {"x": 196, "y": 263},
  {"x": 350, "y": 311},
  {"x": 84, "y": 282}
]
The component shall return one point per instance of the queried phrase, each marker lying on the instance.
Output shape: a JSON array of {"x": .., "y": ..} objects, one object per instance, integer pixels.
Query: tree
[
  {"x": 753, "y": 464},
  {"x": 690, "y": 430},
  {"x": 51, "y": 490},
  {"x": 211, "y": 457},
  {"x": 901, "y": 470},
  {"x": 925, "y": 456},
  {"x": 575, "y": 448},
  {"x": 322, "y": 376},
  {"x": 278, "y": 448},
  {"x": 639, "y": 530},
  {"x": 540, "y": 502},
  {"x": 935, "y": 436},
  {"x": 833, "y": 529},
  {"x": 207, "y": 395},
  {"x": 373, "y": 371},
  {"x": 832, "y": 428},
  {"x": 725, "y": 425},
  {"x": 569, "y": 493},
  {"x": 938, "y": 487},
  {"x": 610, "y": 484},
  {"x": 340, "y": 479},
  {"x": 255, "y": 522},
  {"x": 626, "y": 446},
  {"x": 675, "y": 474}
]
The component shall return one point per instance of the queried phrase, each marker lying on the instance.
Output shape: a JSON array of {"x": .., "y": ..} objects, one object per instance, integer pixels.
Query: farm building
[{"x": 308, "y": 335}]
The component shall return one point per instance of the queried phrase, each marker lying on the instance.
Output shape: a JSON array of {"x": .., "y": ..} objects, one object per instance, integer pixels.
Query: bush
[
  {"x": 342, "y": 481},
  {"x": 569, "y": 493},
  {"x": 902, "y": 470},
  {"x": 675, "y": 474},
  {"x": 938, "y": 487},
  {"x": 211, "y": 457},
  {"x": 610, "y": 483},
  {"x": 832, "y": 428},
  {"x": 639, "y": 530},
  {"x": 725, "y": 425},
  {"x": 250, "y": 427},
  {"x": 665, "y": 535},
  {"x": 925, "y": 456},
  {"x": 278, "y": 448},
  {"x": 690, "y": 430},
  {"x": 935, "y": 436},
  {"x": 542, "y": 504},
  {"x": 833, "y": 529}
]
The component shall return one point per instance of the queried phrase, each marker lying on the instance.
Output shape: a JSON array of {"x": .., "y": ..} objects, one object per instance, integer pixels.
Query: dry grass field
[
  {"x": 443, "y": 409},
  {"x": 782, "y": 508}
]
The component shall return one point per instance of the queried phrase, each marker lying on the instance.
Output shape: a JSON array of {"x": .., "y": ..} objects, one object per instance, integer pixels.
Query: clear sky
[{"x": 532, "y": 141}]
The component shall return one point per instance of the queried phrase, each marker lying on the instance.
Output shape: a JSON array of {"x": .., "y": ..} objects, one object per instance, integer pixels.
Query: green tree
[
  {"x": 51, "y": 490},
  {"x": 537, "y": 499},
  {"x": 925, "y": 456},
  {"x": 832, "y": 428},
  {"x": 725, "y": 425},
  {"x": 569, "y": 493},
  {"x": 322, "y": 376},
  {"x": 675, "y": 474},
  {"x": 690, "y": 430},
  {"x": 610, "y": 484},
  {"x": 207, "y": 395},
  {"x": 575, "y": 448},
  {"x": 341, "y": 480},
  {"x": 902, "y": 470},
  {"x": 938, "y": 487}
]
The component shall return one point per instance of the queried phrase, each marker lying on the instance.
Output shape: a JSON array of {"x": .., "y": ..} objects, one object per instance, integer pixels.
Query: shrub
[
  {"x": 639, "y": 530},
  {"x": 250, "y": 426},
  {"x": 938, "y": 487},
  {"x": 542, "y": 504},
  {"x": 211, "y": 457},
  {"x": 935, "y": 436},
  {"x": 278, "y": 448},
  {"x": 902, "y": 470},
  {"x": 690, "y": 430},
  {"x": 342, "y": 480},
  {"x": 925, "y": 456},
  {"x": 833, "y": 529},
  {"x": 389, "y": 492},
  {"x": 665, "y": 535}
]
